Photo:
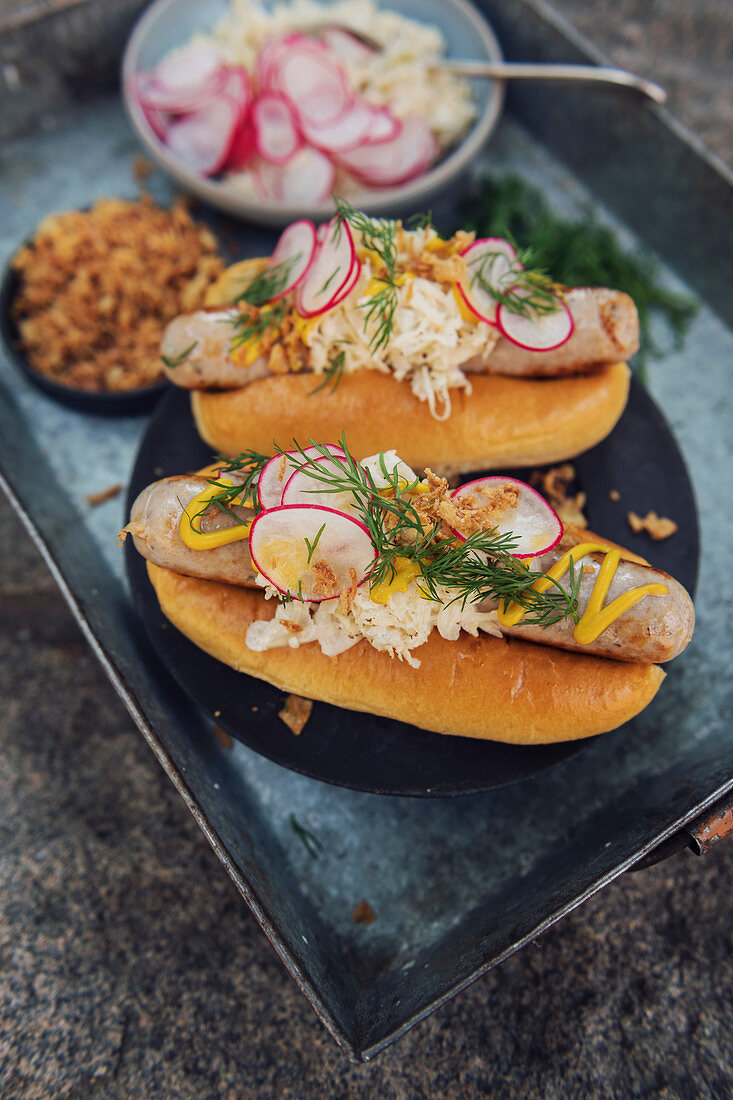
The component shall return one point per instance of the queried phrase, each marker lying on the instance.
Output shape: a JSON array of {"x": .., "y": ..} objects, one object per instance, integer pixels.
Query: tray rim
[{"x": 363, "y": 1047}]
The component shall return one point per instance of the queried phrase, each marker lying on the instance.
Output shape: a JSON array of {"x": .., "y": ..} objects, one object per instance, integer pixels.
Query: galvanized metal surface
[{"x": 458, "y": 884}]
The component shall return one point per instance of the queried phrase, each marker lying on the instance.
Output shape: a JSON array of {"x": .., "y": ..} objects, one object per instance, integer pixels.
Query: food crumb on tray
[
  {"x": 104, "y": 495},
  {"x": 658, "y": 527},
  {"x": 296, "y": 713},
  {"x": 363, "y": 914},
  {"x": 613, "y": 494},
  {"x": 223, "y": 738},
  {"x": 555, "y": 484}
]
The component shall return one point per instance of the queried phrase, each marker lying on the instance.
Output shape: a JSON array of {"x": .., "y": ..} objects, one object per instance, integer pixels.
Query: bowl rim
[{"x": 226, "y": 198}]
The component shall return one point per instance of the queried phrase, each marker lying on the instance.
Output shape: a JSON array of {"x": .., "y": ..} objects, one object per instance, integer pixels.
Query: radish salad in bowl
[{"x": 283, "y": 105}]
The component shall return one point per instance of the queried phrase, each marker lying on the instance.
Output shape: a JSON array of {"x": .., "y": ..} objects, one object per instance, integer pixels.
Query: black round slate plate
[
  {"x": 104, "y": 402},
  {"x": 640, "y": 459}
]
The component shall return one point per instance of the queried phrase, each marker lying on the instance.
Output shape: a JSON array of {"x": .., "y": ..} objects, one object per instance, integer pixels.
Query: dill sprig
[
  {"x": 176, "y": 360},
  {"x": 481, "y": 567},
  {"x": 577, "y": 253},
  {"x": 268, "y": 283},
  {"x": 332, "y": 374},
  {"x": 255, "y": 325},
  {"x": 378, "y": 235},
  {"x": 247, "y": 466},
  {"x": 525, "y": 290}
]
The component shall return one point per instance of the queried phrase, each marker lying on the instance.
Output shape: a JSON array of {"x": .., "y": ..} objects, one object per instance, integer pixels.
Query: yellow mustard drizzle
[
  {"x": 596, "y": 617},
  {"x": 189, "y": 526},
  {"x": 246, "y": 353},
  {"x": 404, "y": 572},
  {"x": 466, "y": 313}
]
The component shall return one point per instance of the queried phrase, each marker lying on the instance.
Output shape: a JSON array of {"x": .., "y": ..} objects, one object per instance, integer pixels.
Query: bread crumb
[
  {"x": 363, "y": 914},
  {"x": 141, "y": 168},
  {"x": 570, "y": 510},
  {"x": 103, "y": 495},
  {"x": 658, "y": 527},
  {"x": 223, "y": 738},
  {"x": 217, "y": 714},
  {"x": 255, "y": 708},
  {"x": 613, "y": 494},
  {"x": 296, "y": 713}
]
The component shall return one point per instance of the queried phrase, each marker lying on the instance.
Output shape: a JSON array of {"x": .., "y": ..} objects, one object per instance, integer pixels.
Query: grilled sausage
[
  {"x": 653, "y": 631},
  {"x": 154, "y": 526},
  {"x": 606, "y": 331}
]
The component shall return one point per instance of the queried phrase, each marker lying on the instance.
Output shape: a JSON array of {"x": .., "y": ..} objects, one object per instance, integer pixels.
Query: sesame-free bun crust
[
  {"x": 504, "y": 422},
  {"x": 495, "y": 689}
]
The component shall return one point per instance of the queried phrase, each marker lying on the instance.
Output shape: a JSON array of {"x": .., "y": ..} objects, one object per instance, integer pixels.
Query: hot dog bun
[
  {"x": 495, "y": 689},
  {"x": 504, "y": 422}
]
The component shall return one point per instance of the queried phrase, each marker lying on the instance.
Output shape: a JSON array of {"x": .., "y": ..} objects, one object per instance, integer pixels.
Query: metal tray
[{"x": 456, "y": 884}]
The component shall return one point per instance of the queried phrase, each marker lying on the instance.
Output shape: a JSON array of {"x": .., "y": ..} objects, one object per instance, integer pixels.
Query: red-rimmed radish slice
[
  {"x": 276, "y": 473},
  {"x": 307, "y": 486},
  {"x": 266, "y": 65},
  {"x": 189, "y": 67},
  {"x": 306, "y": 179},
  {"x": 244, "y": 146},
  {"x": 180, "y": 98},
  {"x": 238, "y": 86},
  {"x": 493, "y": 261},
  {"x": 350, "y": 129},
  {"x": 349, "y": 285},
  {"x": 158, "y": 121},
  {"x": 296, "y": 546},
  {"x": 540, "y": 331},
  {"x": 346, "y": 46},
  {"x": 266, "y": 178},
  {"x": 388, "y": 163},
  {"x": 296, "y": 247},
  {"x": 332, "y": 267},
  {"x": 276, "y": 132},
  {"x": 384, "y": 126},
  {"x": 535, "y": 525},
  {"x": 203, "y": 140},
  {"x": 315, "y": 85}
]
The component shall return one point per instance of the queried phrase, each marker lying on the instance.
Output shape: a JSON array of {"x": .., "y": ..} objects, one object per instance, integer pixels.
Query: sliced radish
[
  {"x": 203, "y": 139},
  {"x": 158, "y": 121},
  {"x": 267, "y": 64},
  {"x": 275, "y": 474},
  {"x": 267, "y": 178},
  {"x": 385, "y": 125},
  {"x": 330, "y": 272},
  {"x": 541, "y": 331},
  {"x": 348, "y": 131},
  {"x": 296, "y": 248},
  {"x": 244, "y": 146},
  {"x": 315, "y": 85},
  {"x": 295, "y": 545},
  {"x": 535, "y": 525},
  {"x": 306, "y": 486},
  {"x": 349, "y": 285},
  {"x": 239, "y": 86},
  {"x": 181, "y": 98},
  {"x": 387, "y": 163},
  {"x": 306, "y": 179},
  {"x": 492, "y": 261},
  {"x": 189, "y": 67},
  {"x": 276, "y": 133}
]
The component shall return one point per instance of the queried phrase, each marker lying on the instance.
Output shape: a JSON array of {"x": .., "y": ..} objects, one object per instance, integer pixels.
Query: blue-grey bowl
[{"x": 170, "y": 23}]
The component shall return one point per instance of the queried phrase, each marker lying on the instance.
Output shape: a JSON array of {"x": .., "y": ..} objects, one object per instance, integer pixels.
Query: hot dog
[
  {"x": 372, "y": 329},
  {"x": 382, "y": 596}
]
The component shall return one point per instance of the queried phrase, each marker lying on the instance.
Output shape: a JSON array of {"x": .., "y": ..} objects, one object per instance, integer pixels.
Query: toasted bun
[
  {"x": 490, "y": 688},
  {"x": 504, "y": 422}
]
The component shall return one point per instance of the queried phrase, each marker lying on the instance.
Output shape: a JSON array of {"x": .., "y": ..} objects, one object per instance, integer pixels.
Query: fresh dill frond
[
  {"x": 379, "y": 236},
  {"x": 479, "y": 568},
  {"x": 332, "y": 374},
  {"x": 579, "y": 252},
  {"x": 421, "y": 221},
  {"x": 310, "y": 841},
  {"x": 243, "y": 493},
  {"x": 254, "y": 326},
  {"x": 267, "y": 284},
  {"x": 176, "y": 360},
  {"x": 312, "y": 545},
  {"x": 526, "y": 290}
]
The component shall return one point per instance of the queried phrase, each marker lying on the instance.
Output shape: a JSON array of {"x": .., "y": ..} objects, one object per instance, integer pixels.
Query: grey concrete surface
[{"x": 129, "y": 967}]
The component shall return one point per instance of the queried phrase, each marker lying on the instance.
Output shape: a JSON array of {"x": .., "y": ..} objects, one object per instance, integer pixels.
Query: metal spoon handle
[{"x": 593, "y": 74}]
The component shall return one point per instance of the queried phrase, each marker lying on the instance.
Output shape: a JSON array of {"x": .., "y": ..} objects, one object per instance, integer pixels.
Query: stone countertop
[{"x": 129, "y": 966}]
